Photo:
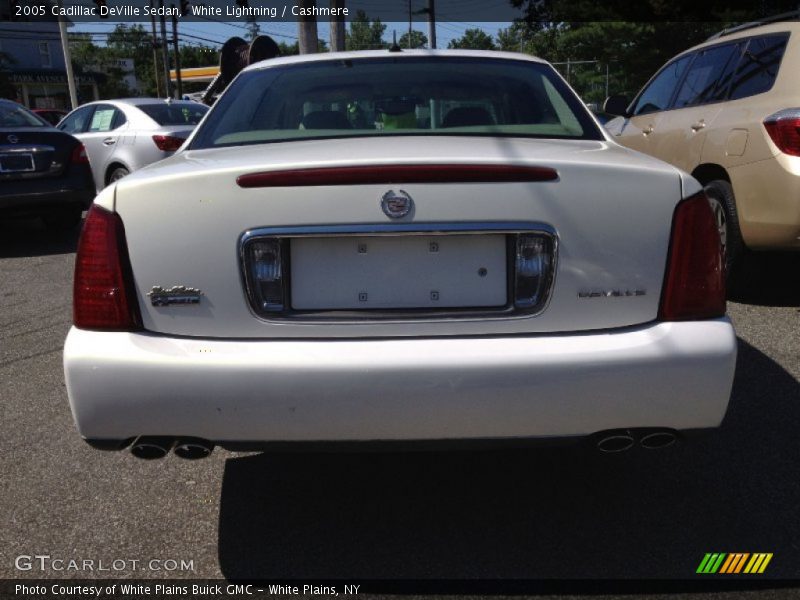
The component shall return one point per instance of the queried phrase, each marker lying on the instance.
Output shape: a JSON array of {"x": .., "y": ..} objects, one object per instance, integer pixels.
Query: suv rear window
[
  {"x": 396, "y": 96},
  {"x": 759, "y": 65},
  {"x": 174, "y": 114}
]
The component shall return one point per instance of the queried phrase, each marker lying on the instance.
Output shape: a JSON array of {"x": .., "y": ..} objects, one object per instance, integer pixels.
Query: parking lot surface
[{"x": 492, "y": 514}]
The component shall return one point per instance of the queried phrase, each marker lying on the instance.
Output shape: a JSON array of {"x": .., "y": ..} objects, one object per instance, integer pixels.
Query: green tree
[
  {"x": 365, "y": 34},
  {"x": 633, "y": 39},
  {"x": 198, "y": 56},
  {"x": 525, "y": 37},
  {"x": 544, "y": 40},
  {"x": 294, "y": 49},
  {"x": 89, "y": 58},
  {"x": 418, "y": 40},
  {"x": 135, "y": 42},
  {"x": 289, "y": 49},
  {"x": 473, "y": 39}
]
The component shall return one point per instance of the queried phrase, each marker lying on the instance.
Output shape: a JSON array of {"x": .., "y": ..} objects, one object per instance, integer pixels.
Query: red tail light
[
  {"x": 784, "y": 129},
  {"x": 79, "y": 156},
  {"x": 168, "y": 143},
  {"x": 376, "y": 174},
  {"x": 103, "y": 298},
  {"x": 694, "y": 286}
]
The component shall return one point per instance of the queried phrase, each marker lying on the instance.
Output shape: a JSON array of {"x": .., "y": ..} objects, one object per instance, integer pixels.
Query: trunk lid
[
  {"x": 35, "y": 153},
  {"x": 610, "y": 210}
]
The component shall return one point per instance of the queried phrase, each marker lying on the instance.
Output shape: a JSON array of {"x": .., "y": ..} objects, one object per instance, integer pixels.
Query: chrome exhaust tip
[
  {"x": 658, "y": 439},
  {"x": 615, "y": 442},
  {"x": 151, "y": 448},
  {"x": 193, "y": 448}
]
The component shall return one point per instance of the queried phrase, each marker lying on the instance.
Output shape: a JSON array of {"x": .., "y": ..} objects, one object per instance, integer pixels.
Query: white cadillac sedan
[{"x": 398, "y": 246}]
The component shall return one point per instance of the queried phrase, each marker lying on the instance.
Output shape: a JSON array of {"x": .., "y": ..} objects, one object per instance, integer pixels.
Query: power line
[{"x": 204, "y": 39}]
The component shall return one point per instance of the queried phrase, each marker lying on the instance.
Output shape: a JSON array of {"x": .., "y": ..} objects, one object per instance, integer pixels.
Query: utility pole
[
  {"x": 431, "y": 25},
  {"x": 176, "y": 51},
  {"x": 337, "y": 27},
  {"x": 155, "y": 51},
  {"x": 307, "y": 30},
  {"x": 165, "y": 49},
  {"x": 410, "y": 44},
  {"x": 73, "y": 92}
]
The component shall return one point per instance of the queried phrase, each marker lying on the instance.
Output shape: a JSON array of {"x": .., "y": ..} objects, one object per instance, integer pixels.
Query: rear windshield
[
  {"x": 174, "y": 114},
  {"x": 12, "y": 115},
  {"x": 396, "y": 96}
]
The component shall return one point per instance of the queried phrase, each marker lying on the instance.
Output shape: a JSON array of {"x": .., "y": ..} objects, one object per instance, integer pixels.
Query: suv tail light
[
  {"x": 79, "y": 156},
  {"x": 168, "y": 143},
  {"x": 784, "y": 129},
  {"x": 103, "y": 298},
  {"x": 694, "y": 286}
]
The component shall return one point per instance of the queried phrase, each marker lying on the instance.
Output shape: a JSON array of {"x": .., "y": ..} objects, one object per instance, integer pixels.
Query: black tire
[
  {"x": 116, "y": 174},
  {"x": 65, "y": 219},
  {"x": 723, "y": 203}
]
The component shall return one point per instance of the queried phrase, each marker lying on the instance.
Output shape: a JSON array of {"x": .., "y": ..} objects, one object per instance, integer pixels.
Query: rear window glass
[
  {"x": 12, "y": 115},
  {"x": 758, "y": 66},
  {"x": 396, "y": 96},
  {"x": 174, "y": 114}
]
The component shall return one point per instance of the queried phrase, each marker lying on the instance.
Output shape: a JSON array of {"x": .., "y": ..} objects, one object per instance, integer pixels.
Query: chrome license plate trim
[
  {"x": 4, "y": 157},
  {"x": 284, "y": 233}
]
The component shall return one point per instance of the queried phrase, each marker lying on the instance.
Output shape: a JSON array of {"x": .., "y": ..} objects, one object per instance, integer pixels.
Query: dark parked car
[{"x": 43, "y": 172}]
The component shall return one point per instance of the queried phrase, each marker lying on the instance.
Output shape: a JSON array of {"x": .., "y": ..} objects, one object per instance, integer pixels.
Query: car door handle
[
  {"x": 109, "y": 141},
  {"x": 648, "y": 130},
  {"x": 698, "y": 126}
]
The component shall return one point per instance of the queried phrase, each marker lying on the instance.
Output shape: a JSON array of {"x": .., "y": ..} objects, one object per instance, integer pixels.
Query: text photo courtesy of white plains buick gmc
[{"x": 398, "y": 247}]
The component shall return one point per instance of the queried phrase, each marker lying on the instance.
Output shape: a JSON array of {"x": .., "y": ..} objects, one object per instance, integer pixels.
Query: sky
[{"x": 211, "y": 33}]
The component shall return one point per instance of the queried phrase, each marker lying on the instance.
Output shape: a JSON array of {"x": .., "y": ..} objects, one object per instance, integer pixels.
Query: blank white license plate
[{"x": 405, "y": 272}]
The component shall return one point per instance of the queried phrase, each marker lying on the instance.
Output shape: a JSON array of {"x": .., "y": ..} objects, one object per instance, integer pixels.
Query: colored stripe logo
[{"x": 734, "y": 563}]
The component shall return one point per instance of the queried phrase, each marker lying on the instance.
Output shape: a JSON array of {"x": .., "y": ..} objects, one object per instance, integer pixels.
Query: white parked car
[
  {"x": 122, "y": 136},
  {"x": 378, "y": 246}
]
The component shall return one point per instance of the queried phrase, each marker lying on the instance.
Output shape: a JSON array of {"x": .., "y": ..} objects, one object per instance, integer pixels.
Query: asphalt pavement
[{"x": 489, "y": 514}]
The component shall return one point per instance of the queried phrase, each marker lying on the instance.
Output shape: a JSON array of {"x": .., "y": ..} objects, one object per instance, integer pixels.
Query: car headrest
[
  {"x": 466, "y": 116},
  {"x": 325, "y": 119}
]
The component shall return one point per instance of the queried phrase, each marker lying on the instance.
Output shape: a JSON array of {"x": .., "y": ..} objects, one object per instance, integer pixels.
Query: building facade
[{"x": 33, "y": 64}]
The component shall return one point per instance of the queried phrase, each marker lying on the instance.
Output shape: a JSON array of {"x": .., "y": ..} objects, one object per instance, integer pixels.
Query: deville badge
[{"x": 178, "y": 294}]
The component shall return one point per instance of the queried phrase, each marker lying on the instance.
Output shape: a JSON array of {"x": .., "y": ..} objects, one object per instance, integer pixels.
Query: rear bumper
[
  {"x": 674, "y": 375},
  {"x": 37, "y": 196},
  {"x": 37, "y": 203}
]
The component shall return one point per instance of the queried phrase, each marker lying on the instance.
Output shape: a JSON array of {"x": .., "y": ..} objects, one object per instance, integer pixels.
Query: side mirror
[{"x": 616, "y": 105}]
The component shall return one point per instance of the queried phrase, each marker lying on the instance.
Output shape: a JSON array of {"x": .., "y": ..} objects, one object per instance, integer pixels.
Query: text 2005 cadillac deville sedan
[{"x": 398, "y": 246}]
